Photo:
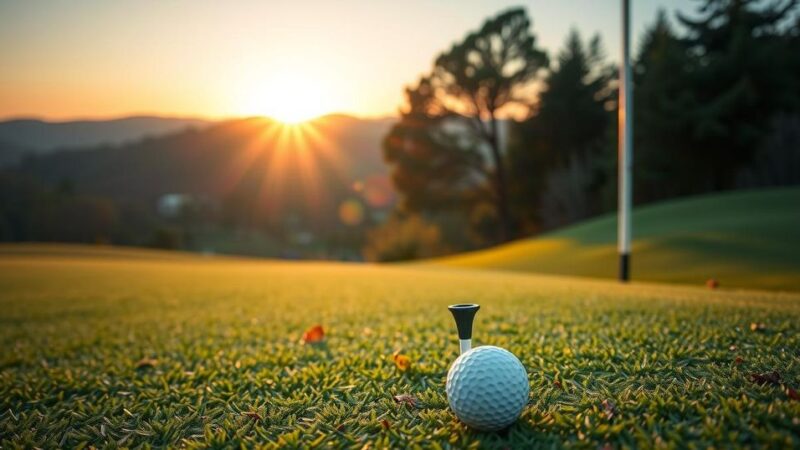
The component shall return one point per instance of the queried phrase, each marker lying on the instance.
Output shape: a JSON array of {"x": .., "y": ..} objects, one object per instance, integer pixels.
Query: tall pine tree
[
  {"x": 663, "y": 107},
  {"x": 570, "y": 123},
  {"x": 746, "y": 74}
]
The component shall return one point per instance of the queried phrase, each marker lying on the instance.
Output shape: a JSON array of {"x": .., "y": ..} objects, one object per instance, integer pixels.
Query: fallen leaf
[
  {"x": 254, "y": 415},
  {"x": 146, "y": 363},
  {"x": 609, "y": 409},
  {"x": 385, "y": 423},
  {"x": 711, "y": 283},
  {"x": 738, "y": 360},
  {"x": 314, "y": 335},
  {"x": 557, "y": 384},
  {"x": 758, "y": 326},
  {"x": 340, "y": 428},
  {"x": 773, "y": 378},
  {"x": 402, "y": 361},
  {"x": 792, "y": 394},
  {"x": 405, "y": 399}
]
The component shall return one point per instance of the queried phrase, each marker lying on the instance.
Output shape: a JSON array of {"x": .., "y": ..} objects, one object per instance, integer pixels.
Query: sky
[{"x": 63, "y": 60}]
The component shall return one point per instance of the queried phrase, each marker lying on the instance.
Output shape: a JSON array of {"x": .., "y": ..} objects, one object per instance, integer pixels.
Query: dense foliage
[
  {"x": 450, "y": 134},
  {"x": 716, "y": 107}
]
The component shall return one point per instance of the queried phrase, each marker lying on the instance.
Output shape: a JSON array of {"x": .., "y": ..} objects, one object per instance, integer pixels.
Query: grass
[
  {"x": 107, "y": 350},
  {"x": 744, "y": 239}
]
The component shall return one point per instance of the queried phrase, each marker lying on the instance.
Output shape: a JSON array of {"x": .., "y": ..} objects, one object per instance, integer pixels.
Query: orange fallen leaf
[
  {"x": 758, "y": 326},
  {"x": 792, "y": 394},
  {"x": 711, "y": 283},
  {"x": 402, "y": 362},
  {"x": 385, "y": 423},
  {"x": 314, "y": 335},
  {"x": 146, "y": 363},
  {"x": 405, "y": 399},
  {"x": 738, "y": 360},
  {"x": 557, "y": 384}
]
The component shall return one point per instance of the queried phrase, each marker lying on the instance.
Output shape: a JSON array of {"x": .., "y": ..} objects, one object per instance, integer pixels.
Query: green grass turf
[
  {"x": 226, "y": 333},
  {"x": 747, "y": 239}
]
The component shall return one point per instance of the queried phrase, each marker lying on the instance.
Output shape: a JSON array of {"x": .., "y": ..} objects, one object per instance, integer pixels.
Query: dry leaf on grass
[
  {"x": 773, "y": 378},
  {"x": 405, "y": 399},
  {"x": 609, "y": 409},
  {"x": 314, "y": 335},
  {"x": 401, "y": 361},
  {"x": 146, "y": 363}
]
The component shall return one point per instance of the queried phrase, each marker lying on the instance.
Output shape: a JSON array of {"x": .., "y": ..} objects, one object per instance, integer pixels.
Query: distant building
[{"x": 171, "y": 205}]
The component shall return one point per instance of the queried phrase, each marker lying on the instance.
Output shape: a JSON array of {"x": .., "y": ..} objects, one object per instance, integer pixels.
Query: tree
[
  {"x": 402, "y": 239},
  {"x": 746, "y": 74},
  {"x": 571, "y": 123},
  {"x": 663, "y": 106},
  {"x": 452, "y": 129},
  {"x": 431, "y": 167}
]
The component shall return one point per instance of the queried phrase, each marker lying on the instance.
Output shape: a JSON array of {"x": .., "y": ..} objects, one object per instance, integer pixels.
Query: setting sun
[{"x": 290, "y": 97}]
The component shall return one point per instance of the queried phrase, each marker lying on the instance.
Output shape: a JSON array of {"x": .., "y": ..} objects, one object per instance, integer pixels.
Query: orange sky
[{"x": 99, "y": 58}]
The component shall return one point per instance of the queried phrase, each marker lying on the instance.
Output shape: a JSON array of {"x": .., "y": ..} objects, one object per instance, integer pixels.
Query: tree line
[{"x": 511, "y": 141}]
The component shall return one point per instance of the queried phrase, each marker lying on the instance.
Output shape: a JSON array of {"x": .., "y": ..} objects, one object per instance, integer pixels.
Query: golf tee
[{"x": 464, "y": 314}]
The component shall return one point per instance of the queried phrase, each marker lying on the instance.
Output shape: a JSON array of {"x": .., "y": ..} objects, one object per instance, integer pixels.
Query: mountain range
[
  {"x": 269, "y": 169},
  {"x": 20, "y": 137}
]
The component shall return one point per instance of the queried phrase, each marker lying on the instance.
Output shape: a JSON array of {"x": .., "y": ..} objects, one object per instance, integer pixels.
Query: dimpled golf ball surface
[{"x": 487, "y": 388}]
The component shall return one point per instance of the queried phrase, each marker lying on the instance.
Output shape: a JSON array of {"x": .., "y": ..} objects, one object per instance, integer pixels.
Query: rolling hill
[
  {"x": 742, "y": 239},
  {"x": 257, "y": 164},
  {"x": 40, "y": 136}
]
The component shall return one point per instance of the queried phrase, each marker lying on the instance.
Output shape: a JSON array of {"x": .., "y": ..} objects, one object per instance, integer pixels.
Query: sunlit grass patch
[{"x": 115, "y": 351}]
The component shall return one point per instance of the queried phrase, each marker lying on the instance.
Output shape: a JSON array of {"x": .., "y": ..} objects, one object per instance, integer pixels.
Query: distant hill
[
  {"x": 32, "y": 136},
  {"x": 260, "y": 165},
  {"x": 742, "y": 239},
  {"x": 11, "y": 154}
]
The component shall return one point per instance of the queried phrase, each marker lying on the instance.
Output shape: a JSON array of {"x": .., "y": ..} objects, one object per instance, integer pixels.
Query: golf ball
[{"x": 487, "y": 388}]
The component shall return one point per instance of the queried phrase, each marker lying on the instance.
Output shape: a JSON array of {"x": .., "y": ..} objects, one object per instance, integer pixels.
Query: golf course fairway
[
  {"x": 743, "y": 239},
  {"x": 121, "y": 348}
]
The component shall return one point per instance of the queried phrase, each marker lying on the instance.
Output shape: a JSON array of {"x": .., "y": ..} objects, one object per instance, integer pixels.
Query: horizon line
[{"x": 205, "y": 118}]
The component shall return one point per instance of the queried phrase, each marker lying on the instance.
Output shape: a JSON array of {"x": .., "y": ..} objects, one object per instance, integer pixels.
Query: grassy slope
[
  {"x": 225, "y": 334},
  {"x": 744, "y": 239}
]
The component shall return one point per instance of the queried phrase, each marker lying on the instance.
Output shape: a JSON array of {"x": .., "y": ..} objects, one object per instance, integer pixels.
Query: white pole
[{"x": 625, "y": 149}]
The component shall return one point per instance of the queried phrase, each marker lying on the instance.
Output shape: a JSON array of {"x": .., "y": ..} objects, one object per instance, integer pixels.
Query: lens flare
[{"x": 351, "y": 212}]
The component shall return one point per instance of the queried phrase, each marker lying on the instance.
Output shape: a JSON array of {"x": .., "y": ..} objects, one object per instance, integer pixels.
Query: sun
[{"x": 291, "y": 97}]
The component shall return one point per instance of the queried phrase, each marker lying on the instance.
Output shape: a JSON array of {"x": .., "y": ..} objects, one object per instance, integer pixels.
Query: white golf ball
[{"x": 487, "y": 388}]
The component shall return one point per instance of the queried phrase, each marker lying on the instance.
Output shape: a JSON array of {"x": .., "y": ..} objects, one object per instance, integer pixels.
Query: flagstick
[{"x": 625, "y": 149}]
